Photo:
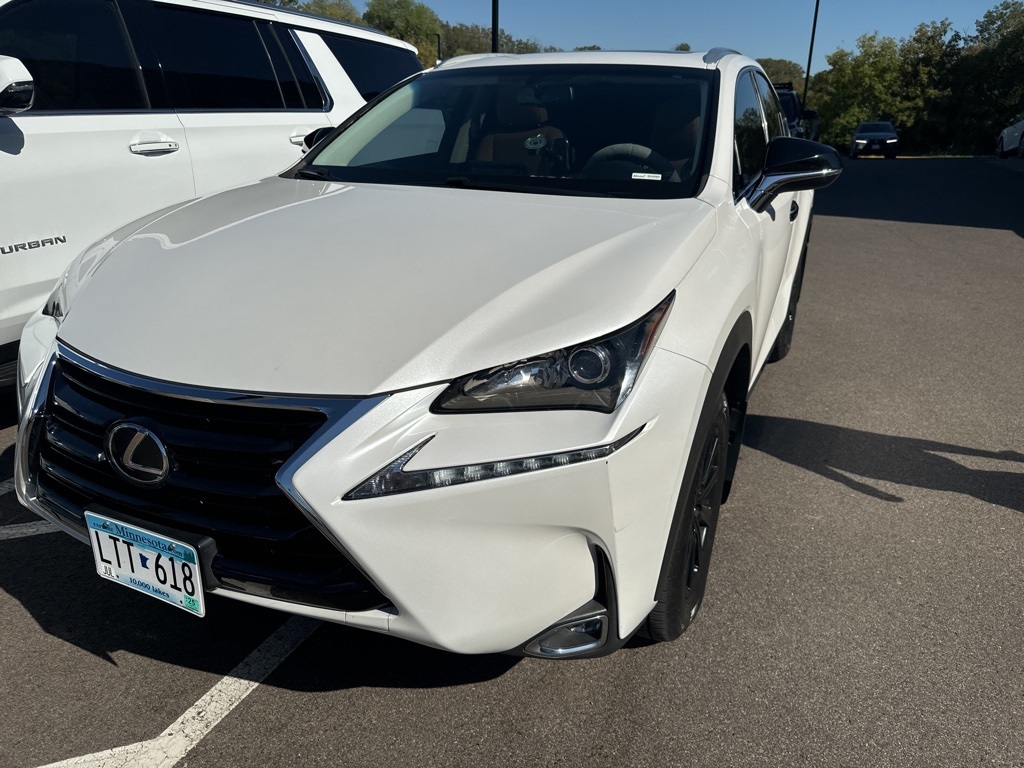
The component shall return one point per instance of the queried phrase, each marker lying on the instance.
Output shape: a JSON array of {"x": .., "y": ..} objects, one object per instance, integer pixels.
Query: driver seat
[{"x": 676, "y": 133}]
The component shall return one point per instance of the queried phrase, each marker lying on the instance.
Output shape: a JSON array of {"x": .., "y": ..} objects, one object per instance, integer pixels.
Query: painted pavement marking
[{"x": 188, "y": 730}]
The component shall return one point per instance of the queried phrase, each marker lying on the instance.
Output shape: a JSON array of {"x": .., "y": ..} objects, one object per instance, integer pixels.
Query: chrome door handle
[{"x": 154, "y": 147}]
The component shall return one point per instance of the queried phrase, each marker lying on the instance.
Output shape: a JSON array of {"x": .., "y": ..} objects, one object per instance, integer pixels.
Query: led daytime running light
[{"x": 393, "y": 478}]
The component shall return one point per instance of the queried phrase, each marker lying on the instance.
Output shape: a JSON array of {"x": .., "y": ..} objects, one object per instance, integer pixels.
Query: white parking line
[
  {"x": 7, "y": 486},
  {"x": 8, "y": 532},
  {"x": 188, "y": 730}
]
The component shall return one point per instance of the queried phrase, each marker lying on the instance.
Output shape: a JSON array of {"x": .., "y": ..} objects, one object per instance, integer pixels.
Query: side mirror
[
  {"x": 17, "y": 90},
  {"x": 809, "y": 114},
  {"x": 313, "y": 137},
  {"x": 793, "y": 165}
]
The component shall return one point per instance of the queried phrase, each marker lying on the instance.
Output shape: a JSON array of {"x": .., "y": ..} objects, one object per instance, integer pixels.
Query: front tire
[
  {"x": 1000, "y": 151},
  {"x": 685, "y": 570}
]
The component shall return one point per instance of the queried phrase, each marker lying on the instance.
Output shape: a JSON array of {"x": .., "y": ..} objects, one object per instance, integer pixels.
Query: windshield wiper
[{"x": 314, "y": 173}]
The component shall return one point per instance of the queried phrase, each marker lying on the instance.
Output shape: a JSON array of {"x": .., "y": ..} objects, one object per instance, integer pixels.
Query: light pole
[
  {"x": 494, "y": 26},
  {"x": 810, "y": 53}
]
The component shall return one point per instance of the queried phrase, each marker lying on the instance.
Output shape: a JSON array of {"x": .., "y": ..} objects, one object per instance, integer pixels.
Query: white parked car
[
  {"x": 474, "y": 372},
  {"x": 141, "y": 104},
  {"x": 1011, "y": 139}
]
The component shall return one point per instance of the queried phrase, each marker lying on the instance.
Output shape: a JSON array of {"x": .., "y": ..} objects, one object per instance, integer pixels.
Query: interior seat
[{"x": 520, "y": 136}]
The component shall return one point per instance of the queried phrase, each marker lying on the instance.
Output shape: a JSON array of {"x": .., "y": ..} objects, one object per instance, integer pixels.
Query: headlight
[
  {"x": 891, "y": 141},
  {"x": 595, "y": 375},
  {"x": 861, "y": 141}
]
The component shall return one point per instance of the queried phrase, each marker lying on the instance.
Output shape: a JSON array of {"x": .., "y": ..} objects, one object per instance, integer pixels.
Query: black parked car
[{"x": 875, "y": 139}]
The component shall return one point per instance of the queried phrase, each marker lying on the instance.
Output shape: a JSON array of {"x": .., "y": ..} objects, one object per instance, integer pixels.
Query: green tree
[
  {"x": 987, "y": 77},
  {"x": 859, "y": 86},
  {"x": 460, "y": 39},
  {"x": 343, "y": 10},
  {"x": 783, "y": 71},
  {"x": 682, "y": 47},
  {"x": 943, "y": 89},
  {"x": 926, "y": 62},
  {"x": 509, "y": 44},
  {"x": 282, "y": 3},
  {"x": 407, "y": 20},
  {"x": 588, "y": 48},
  {"x": 999, "y": 22}
]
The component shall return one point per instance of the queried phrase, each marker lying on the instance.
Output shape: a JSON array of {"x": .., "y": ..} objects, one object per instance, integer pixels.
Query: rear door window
[
  {"x": 298, "y": 68},
  {"x": 214, "y": 61},
  {"x": 372, "y": 67},
  {"x": 77, "y": 52}
]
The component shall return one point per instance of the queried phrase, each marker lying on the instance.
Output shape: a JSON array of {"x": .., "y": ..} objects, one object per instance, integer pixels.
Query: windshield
[
  {"x": 629, "y": 131},
  {"x": 876, "y": 128}
]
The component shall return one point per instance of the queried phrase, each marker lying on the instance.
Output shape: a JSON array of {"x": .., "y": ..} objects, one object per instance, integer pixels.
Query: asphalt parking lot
[{"x": 865, "y": 606}]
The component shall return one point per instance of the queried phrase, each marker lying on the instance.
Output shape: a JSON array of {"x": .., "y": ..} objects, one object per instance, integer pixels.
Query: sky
[{"x": 778, "y": 30}]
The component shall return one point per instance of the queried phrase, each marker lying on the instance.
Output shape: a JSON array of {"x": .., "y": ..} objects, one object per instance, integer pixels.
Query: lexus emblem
[{"x": 137, "y": 454}]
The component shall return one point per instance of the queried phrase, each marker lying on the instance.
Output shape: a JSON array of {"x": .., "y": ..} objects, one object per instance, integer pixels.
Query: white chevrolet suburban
[{"x": 141, "y": 104}]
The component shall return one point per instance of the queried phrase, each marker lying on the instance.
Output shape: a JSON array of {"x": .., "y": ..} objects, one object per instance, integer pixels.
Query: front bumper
[
  {"x": 480, "y": 567},
  {"x": 874, "y": 147}
]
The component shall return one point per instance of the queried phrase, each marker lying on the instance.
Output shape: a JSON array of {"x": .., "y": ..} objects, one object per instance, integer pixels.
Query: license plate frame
[{"x": 159, "y": 562}]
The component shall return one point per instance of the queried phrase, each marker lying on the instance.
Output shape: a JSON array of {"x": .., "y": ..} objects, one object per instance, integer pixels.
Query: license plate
[{"x": 148, "y": 562}]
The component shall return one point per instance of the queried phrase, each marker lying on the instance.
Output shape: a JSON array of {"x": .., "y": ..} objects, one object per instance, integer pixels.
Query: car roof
[
  {"x": 295, "y": 18},
  {"x": 687, "y": 59}
]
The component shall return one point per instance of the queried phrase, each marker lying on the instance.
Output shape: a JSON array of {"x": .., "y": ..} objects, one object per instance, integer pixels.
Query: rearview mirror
[
  {"x": 17, "y": 90},
  {"x": 792, "y": 165}
]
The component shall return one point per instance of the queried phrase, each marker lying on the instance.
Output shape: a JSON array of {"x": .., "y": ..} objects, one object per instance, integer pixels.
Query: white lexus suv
[
  {"x": 473, "y": 372},
  {"x": 140, "y": 104}
]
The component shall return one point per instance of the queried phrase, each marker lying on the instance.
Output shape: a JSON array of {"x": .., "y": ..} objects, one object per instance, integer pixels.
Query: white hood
[{"x": 307, "y": 287}]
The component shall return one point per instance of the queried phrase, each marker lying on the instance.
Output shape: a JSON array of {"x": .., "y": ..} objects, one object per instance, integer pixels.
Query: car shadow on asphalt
[
  {"x": 958, "y": 192},
  {"x": 53, "y": 577},
  {"x": 853, "y": 458}
]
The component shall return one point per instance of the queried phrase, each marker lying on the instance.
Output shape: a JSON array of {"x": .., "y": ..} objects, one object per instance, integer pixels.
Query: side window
[
  {"x": 213, "y": 61},
  {"x": 312, "y": 96},
  {"x": 773, "y": 113},
  {"x": 751, "y": 144},
  {"x": 77, "y": 53},
  {"x": 293, "y": 98},
  {"x": 373, "y": 67}
]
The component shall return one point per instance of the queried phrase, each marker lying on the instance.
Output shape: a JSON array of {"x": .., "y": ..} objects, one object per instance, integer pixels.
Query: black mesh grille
[{"x": 224, "y": 458}]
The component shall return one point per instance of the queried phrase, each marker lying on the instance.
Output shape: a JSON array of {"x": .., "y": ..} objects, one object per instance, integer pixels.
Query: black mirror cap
[
  {"x": 314, "y": 136},
  {"x": 809, "y": 114},
  {"x": 17, "y": 97},
  {"x": 787, "y": 156}
]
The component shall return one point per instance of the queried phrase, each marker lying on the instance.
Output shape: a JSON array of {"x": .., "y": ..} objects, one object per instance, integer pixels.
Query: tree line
[
  {"x": 945, "y": 90},
  {"x": 416, "y": 23}
]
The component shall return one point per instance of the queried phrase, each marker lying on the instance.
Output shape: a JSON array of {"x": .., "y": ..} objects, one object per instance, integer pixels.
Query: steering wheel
[{"x": 621, "y": 161}]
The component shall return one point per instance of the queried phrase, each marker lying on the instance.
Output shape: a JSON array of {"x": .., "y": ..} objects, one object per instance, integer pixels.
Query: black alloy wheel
[{"x": 685, "y": 574}]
